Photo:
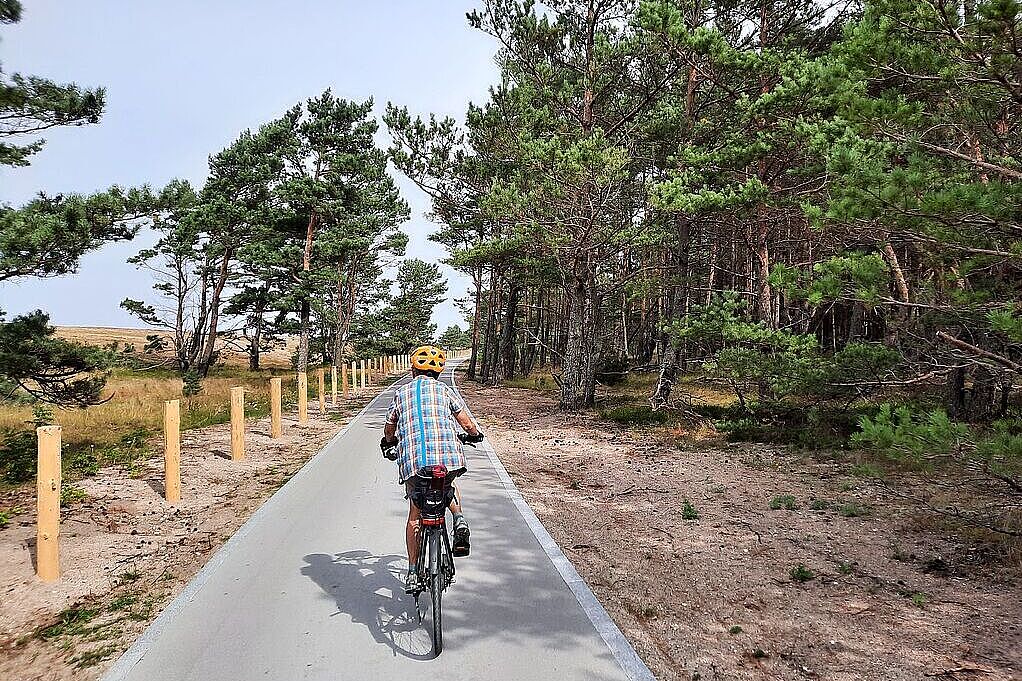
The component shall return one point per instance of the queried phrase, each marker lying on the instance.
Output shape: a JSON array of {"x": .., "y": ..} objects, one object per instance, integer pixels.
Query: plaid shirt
[{"x": 426, "y": 436}]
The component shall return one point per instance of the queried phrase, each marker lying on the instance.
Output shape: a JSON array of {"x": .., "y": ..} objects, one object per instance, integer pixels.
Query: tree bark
[
  {"x": 477, "y": 280},
  {"x": 507, "y": 333},
  {"x": 214, "y": 313},
  {"x": 578, "y": 376}
]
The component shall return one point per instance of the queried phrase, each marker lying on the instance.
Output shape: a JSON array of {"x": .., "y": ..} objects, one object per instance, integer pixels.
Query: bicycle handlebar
[{"x": 467, "y": 439}]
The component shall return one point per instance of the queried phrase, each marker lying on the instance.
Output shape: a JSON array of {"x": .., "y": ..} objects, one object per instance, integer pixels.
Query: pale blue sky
[{"x": 183, "y": 78}]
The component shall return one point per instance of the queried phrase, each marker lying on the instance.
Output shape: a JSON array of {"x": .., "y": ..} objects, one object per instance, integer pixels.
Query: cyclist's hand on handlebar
[
  {"x": 467, "y": 439},
  {"x": 389, "y": 448}
]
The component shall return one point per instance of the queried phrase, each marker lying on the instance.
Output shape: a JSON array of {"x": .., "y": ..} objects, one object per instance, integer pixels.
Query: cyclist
[{"x": 422, "y": 422}]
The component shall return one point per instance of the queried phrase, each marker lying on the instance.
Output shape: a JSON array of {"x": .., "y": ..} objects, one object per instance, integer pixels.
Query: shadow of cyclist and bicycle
[{"x": 370, "y": 590}]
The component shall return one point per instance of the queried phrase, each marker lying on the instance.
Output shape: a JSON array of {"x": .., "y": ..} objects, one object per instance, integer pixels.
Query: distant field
[{"x": 103, "y": 336}]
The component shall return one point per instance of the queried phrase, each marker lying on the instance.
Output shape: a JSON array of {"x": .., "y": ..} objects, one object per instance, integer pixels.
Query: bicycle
[{"x": 432, "y": 493}]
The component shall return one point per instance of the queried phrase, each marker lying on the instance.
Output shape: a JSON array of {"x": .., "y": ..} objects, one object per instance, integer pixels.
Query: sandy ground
[
  {"x": 714, "y": 597},
  {"x": 125, "y": 552}
]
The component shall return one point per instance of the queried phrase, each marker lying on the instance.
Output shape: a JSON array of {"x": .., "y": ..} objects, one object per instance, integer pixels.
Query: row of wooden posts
[{"x": 354, "y": 380}]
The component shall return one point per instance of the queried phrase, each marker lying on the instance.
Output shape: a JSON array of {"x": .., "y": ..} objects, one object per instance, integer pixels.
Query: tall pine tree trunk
[
  {"x": 578, "y": 371},
  {"x": 214, "y": 314},
  {"x": 306, "y": 310},
  {"x": 477, "y": 280},
  {"x": 672, "y": 356},
  {"x": 256, "y": 322},
  {"x": 507, "y": 333}
]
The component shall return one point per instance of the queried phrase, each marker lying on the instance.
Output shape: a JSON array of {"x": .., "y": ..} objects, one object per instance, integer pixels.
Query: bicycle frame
[{"x": 433, "y": 494}]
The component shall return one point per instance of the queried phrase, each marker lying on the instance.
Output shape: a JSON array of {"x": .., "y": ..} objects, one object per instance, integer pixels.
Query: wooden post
[
  {"x": 303, "y": 397},
  {"x": 276, "y": 429},
  {"x": 333, "y": 386},
  {"x": 365, "y": 377},
  {"x": 47, "y": 555},
  {"x": 172, "y": 451},
  {"x": 321, "y": 379},
  {"x": 237, "y": 423},
  {"x": 344, "y": 379}
]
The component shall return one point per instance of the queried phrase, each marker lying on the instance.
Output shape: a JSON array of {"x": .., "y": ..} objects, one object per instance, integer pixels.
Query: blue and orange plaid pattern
[{"x": 426, "y": 437}]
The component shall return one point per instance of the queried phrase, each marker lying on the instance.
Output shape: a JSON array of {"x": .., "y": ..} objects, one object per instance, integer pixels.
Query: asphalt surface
[{"x": 311, "y": 587}]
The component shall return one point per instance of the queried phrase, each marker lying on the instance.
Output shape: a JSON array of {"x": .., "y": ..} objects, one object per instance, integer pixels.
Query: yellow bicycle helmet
[{"x": 428, "y": 358}]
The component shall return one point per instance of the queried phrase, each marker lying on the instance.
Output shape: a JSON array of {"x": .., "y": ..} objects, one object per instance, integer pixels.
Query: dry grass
[
  {"x": 104, "y": 336},
  {"x": 135, "y": 402}
]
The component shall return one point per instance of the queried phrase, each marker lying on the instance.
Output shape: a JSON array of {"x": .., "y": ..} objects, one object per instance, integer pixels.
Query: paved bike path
[{"x": 311, "y": 587}]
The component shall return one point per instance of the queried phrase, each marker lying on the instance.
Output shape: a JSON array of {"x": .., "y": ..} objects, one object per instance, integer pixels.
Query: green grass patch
[
  {"x": 71, "y": 621},
  {"x": 128, "y": 577},
  {"x": 688, "y": 511},
  {"x": 71, "y": 494},
  {"x": 853, "y": 510},
  {"x": 867, "y": 470},
  {"x": 637, "y": 415},
  {"x": 122, "y": 602},
  {"x": 801, "y": 574},
  {"x": 91, "y": 658},
  {"x": 785, "y": 501}
]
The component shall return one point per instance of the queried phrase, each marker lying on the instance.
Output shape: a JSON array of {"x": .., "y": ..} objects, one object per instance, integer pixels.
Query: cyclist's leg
[
  {"x": 456, "y": 501},
  {"x": 412, "y": 534},
  {"x": 461, "y": 530}
]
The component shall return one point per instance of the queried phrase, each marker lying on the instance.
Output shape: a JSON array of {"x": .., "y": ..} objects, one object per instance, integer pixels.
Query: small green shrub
[
  {"x": 800, "y": 573},
  {"x": 636, "y": 415},
  {"x": 919, "y": 599},
  {"x": 903, "y": 435},
  {"x": 852, "y": 510},
  {"x": 128, "y": 576},
  {"x": 18, "y": 456},
  {"x": 70, "y": 621},
  {"x": 91, "y": 658},
  {"x": 819, "y": 505},
  {"x": 688, "y": 511},
  {"x": 735, "y": 630},
  {"x": 191, "y": 383},
  {"x": 71, "y": 494},
  {"x": 845, "y": 568},
  {"x": 867, "y": 470},
  {"x": 785, "y": 501},
  {"x": 122, "y": 602}
]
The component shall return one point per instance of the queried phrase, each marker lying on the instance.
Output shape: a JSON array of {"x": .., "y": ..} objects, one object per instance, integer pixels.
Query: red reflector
[
  {"x": 439, "y": 471},
  {"x": 432, "y": 521}
]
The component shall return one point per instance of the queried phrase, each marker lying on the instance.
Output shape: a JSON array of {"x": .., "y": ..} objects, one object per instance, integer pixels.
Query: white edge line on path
[
  {"x": 133, "y": 655},
  {"x": 623, "y": 651}
]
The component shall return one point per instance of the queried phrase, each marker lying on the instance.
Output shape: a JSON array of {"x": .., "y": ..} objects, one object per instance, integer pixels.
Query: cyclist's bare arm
[
  {"x": 390, "y": 432},
  {"x": 466, "y": 422}
]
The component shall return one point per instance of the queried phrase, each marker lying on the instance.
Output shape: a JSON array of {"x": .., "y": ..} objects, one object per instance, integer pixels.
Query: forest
[{"x": 803, "y": 202}]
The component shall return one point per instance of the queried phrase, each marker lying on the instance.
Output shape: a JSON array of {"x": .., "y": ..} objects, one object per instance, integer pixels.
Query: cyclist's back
[{"x": 424, "y": 413}]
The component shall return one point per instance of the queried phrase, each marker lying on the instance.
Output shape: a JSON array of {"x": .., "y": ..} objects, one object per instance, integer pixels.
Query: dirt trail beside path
[
  {"x": 845, "y": 585},
  {"x": 125, "y": 552}
]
